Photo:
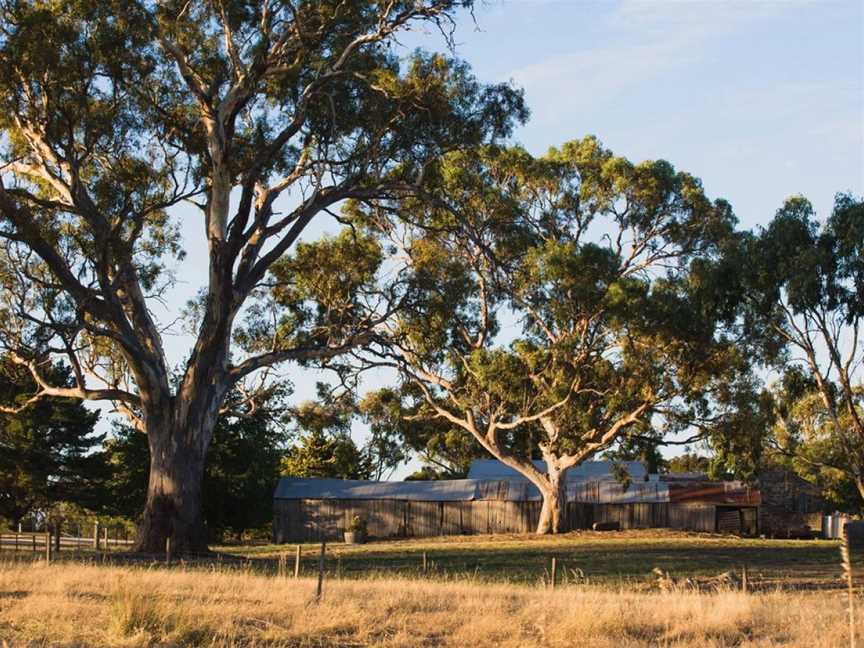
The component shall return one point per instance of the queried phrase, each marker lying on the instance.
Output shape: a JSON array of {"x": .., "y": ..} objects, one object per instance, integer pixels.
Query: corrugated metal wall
[{"x": 303, "y": 520}]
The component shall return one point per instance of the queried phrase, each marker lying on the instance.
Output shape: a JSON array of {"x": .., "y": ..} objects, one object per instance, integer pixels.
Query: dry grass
[
  {"x": 69, "y": 605},
  {"x": 604, "y": 558}
]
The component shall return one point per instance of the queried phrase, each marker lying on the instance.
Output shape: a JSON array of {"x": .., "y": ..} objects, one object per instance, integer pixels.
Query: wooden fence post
[
  {"x": 319, "y": 591},
  {"x": 425, "y": 565},
  {"x": 851, "y": 550},
  {"x": 105, "y": 537},
  {"x": 297, "y": 563},
  {"x": 745, "y": 585},
  {"x": 47, "y": 544},
  {"x": 96, "y": 535},
  {"x": 33, "y": 539},
  {"x": 57, "y": 538},
  {"x": 168, "y": 550},
  {"x": 553, "y": 571},
  {"x": 16, "y": 543}
]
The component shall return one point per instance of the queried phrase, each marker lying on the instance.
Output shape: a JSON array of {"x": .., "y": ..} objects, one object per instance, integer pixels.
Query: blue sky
[{"x": 762, "y": 100}]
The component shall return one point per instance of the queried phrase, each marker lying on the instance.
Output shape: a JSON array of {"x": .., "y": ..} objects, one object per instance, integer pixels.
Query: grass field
[
  {"x": 66, "y": 605},
  {"x": 601, "y": 558}
]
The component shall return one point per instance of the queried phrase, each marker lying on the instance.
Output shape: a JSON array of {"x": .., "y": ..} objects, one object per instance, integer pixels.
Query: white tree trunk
[{"x": 553, "y": 514}]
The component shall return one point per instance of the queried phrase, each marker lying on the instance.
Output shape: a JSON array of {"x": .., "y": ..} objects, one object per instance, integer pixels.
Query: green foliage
[
  {"x": 320, "y": 455},
  {"x": 128, "y": 457},
  {"x": 644, "y": 448},
  {"x": 689, "y": 462},
  {"x": 401, "y": 421},
  {"x": 241, "y": 474},
  {"x": 738, "y": 439},
  {"x": 323, "y": 445},
  {"x": 357, "y": 525},
  {"x": 386, "y": 445},
  {"x": 428, "y": 473},
  {"x": 806, "y": 439},
  {"x": 49, "y": 451},
  {"x": 324, "y": 448},
  {"x": 321, "y": 291}
]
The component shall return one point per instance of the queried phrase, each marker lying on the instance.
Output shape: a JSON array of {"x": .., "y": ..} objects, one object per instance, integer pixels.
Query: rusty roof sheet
[{"x": 733, "y": 493}]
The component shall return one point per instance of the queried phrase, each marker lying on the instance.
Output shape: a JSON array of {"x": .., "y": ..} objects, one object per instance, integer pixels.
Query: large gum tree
[
  {"x": 559, "y": 304},
  {"x": 262, "y": 116}
]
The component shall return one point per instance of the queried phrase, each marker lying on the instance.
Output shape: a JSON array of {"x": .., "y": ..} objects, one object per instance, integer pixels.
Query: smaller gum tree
[
  {"x": 556, "y": 305},
  {"x": 804, "y": 293}
]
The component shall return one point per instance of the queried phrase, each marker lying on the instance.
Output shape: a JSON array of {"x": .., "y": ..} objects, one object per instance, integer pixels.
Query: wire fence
[
  {"x": 325, "y": 563},
  {"x": 102, "y": 539}
]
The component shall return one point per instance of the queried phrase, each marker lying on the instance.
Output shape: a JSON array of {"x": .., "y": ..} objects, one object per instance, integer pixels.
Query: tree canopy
[
  {"x": 323, "y": 445},
  {"x": 399, "y": 418},
  {"x": 804, "y": 438}
]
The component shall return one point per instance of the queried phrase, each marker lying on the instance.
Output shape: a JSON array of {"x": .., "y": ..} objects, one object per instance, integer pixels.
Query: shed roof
[
  {"x": 587, "y": 471},
  {"x": 453, "y": 490},
  {"x": 463, "y": 490}
]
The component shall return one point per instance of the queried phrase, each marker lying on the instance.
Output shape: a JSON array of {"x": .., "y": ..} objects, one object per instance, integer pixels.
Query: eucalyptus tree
[
  {"x": 805, "y": 298},
  {"x": 262, "y": 116},
  {"x": 561, "y": 303},
  {"x": 805, "y": 438}
]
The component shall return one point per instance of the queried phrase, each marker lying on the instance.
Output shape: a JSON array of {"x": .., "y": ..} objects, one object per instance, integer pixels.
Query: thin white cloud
[
  {"x": 575, "y": 83},
  {"x": 758, "y": 145},
  {"x": 699, "y": 17},
  {"x": 650, "y": 40}
]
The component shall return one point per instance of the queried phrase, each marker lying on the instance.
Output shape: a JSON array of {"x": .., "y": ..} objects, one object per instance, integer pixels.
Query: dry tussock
[{"x": 65, "y": 605}]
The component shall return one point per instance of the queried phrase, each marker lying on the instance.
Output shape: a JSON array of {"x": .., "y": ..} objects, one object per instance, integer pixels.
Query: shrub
[{"x": 357, "y": 525}]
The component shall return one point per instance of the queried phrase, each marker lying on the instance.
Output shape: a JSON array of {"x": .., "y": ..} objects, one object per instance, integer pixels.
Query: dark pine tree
[{"x": 48, "y": 450}]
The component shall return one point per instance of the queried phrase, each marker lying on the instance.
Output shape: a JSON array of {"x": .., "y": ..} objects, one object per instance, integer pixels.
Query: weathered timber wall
[
  {"x": 297, "y": 520},
  {"x": 302, "y": 520}
]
